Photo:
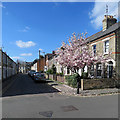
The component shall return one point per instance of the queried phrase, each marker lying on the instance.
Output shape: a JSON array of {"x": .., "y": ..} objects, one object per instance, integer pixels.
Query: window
[
  {"x": 110, "y": 69},
  {"x": 62, "y": 69},
  {"x": 106, "y": 47},
  {"x": 99, "y": 69},
  {"x": 94, "y": 49},
  {"x": 92, "y": 70},
  {"x": 68, "y": 71}
]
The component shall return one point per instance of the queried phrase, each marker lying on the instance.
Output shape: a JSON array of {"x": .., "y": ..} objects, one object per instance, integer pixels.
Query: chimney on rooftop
[
  {"x": 53, "y": 52},
  {"x": 108, "y": 21}
]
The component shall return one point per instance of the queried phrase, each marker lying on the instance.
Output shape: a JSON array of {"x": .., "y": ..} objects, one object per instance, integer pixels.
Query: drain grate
[
  {"x": 46, "y": 113},
  {"x": 68, "y": 108}
]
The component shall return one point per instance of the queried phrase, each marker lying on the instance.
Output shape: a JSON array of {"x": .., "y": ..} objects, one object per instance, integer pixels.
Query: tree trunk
[{"x": 77, "y": 87}]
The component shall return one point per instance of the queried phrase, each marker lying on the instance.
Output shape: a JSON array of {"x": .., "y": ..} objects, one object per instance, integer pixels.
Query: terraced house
[{"x": 105, "y": 41}]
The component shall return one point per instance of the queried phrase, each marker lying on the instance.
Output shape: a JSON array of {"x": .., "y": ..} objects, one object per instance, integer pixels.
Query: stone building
[
  {"x": 50, "y": 60},
  {"x": 105, "y": 41}
]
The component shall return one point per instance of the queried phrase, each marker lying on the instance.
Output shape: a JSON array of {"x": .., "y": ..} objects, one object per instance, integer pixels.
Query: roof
[{"x": 100, "y": 34}]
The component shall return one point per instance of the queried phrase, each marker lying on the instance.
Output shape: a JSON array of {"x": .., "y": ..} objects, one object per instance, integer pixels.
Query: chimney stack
[{"x": 108, "y": 21}]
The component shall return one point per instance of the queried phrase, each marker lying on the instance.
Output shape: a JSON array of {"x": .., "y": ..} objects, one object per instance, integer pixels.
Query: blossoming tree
[{"x": 76, "y": 53}]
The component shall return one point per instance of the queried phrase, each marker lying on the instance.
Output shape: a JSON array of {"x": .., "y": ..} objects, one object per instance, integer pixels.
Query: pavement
[
  {"x": 67, "y": 90},
  {"x": 8, "y": 82}
]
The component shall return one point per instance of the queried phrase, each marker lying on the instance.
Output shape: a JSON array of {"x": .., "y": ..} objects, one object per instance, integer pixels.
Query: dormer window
[
  {"x": 94, "y": 49},
  {"x": 106, "y": 47}
]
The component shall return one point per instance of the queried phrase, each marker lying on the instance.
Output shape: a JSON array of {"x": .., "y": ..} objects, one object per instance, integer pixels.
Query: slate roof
[{"x": 100, "y": 34}]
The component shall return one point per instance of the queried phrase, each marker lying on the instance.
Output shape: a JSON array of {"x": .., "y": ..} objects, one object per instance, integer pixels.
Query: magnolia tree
[{"x": 76, "y": 53}]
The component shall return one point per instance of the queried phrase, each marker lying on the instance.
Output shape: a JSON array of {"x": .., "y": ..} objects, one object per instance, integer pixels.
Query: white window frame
[
  {"x": 99, "y": 68},
  {"x": 106, "y": 50}
]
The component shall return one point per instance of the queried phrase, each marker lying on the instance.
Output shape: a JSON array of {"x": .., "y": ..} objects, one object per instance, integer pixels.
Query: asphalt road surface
[{"x": 26, "y": 99}]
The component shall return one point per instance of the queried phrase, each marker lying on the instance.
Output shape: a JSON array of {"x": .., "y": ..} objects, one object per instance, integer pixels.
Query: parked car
[
  {"x": 31, "y": 72},
  {"x": 39, "y": 77}
]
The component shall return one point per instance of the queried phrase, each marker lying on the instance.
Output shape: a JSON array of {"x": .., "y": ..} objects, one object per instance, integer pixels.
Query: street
[{"x": 26, "y": 99}]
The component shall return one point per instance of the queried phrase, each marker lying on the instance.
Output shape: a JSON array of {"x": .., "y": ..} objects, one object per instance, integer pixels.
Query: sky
[{"x": 30, "y": 26}]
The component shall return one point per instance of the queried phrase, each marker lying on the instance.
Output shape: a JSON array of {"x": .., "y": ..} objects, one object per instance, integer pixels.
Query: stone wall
[
  {"x": 53, "y": 77},
  {"x": 87, "y": 84},
  {"x": 50, "y": 76},
  {"x": 60, "y": 79},
  {"x": 56, "y": 77}
]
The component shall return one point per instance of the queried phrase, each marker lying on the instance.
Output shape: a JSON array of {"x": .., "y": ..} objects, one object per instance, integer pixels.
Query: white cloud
[
  {"x": 22, "y": 44},
  {"x": 15, "y": 57},
  {"x": 1, "y": 5},
  {"x": 99, "y": 10},
  {"x": 26, "y": 29},
  {"x": 26, "y": 54}
]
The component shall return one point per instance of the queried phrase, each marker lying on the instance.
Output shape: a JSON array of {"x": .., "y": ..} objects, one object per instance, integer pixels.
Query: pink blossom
[{"x": 76, "y": 54}]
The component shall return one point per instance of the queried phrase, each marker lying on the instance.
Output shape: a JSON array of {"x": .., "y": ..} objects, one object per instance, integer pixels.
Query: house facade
[
  {"x": 34, "y": 67},
  {"x": 39, "y": 64},
  {"x": 105, "y": 42}
]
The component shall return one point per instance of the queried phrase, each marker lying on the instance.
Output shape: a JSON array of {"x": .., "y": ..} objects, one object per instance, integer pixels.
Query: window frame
[
  {"x": 94, "y": 49},
  {"x": 106, "y": 47}
]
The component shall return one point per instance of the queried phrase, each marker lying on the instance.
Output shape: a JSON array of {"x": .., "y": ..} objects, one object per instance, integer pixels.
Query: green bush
[
  {"x": 61, "y": 74},
  {"x": 49, "y": 71},
  {"x": 85, "y": 75},
  {"x": 53, "y": 69},
  {"x": 71, "y": 80}
]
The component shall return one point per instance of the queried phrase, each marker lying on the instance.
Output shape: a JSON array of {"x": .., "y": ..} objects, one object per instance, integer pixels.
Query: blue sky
[{"x": 26, "y": 27}]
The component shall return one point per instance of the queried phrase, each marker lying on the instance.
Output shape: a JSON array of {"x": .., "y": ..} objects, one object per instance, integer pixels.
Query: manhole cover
[
  {"x": 68, "y": 108},
  {"x": 46, "y": 113}
]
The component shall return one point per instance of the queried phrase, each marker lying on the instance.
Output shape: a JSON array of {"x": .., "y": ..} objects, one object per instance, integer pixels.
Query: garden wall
[
  {"x": 50, "y": 76},
  {"x": 60, "y": 79},
  {"x": 55, "y": 77},
  {"x": 87, "y": 84}
]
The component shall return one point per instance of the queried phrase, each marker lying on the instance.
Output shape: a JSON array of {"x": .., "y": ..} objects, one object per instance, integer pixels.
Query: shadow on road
[{"x": 25, "y": 85}]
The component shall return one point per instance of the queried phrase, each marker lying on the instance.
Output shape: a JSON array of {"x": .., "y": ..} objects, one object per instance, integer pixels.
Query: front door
[
  {"x": 110, "y": 70},
  {"x": 99, "y": 70}
]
